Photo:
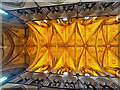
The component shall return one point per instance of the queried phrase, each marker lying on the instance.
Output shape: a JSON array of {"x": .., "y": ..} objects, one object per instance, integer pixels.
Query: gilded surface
[{"x": 76, "y": 46}]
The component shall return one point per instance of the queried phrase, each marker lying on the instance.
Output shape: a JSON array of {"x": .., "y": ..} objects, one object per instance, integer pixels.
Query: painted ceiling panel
[
  {"x": 84, "y": 45},
  {"x": 75, "y": 45}
]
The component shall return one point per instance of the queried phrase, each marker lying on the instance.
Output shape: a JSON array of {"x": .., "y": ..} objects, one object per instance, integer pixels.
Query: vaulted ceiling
[{"x": 61, "y": 36}]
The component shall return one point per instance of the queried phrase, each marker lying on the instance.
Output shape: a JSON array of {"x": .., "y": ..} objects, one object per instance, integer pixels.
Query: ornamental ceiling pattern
[{"x": 75, "y": 45}]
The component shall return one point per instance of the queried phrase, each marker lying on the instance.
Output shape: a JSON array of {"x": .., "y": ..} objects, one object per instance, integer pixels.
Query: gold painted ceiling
[{"x": 76, "y": 46}]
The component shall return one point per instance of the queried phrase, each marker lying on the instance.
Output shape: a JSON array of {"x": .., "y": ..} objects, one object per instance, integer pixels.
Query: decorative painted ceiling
[
  {"x": 55, "y": 44},
  {"x": 13, "y": 38},
  {"x": 48, "y": 46},
  {"x": 76, "y": 46}
]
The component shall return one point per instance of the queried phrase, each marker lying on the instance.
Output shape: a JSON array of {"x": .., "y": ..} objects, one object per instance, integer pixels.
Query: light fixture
[
  {"x": 86, "y": 74},
  {"x": 3, "y": 79},
  {"x": 87, "y": 17},
  {"x": 45, "y": 72},
  {"x": 44, "y": 20},
  {"x": 65, "y": 73},
  {"x": 64, "y": 19},
  {"x": 3, "y": 12}
]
